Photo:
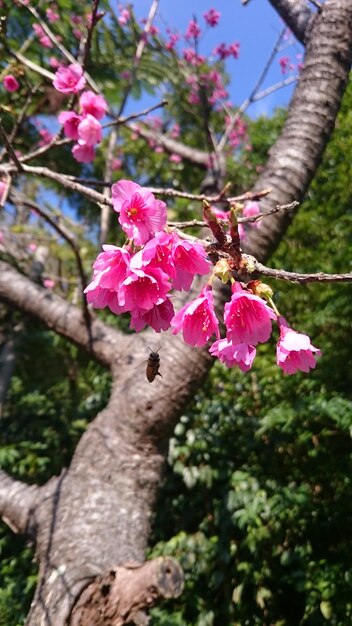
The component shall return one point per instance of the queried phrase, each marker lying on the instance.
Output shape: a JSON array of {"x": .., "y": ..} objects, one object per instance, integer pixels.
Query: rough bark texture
[
  {"x": 96, "y": 515},
  {"x": 296, "y": 15}
]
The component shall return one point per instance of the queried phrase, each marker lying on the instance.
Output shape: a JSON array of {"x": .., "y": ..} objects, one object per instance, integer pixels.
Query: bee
[{"x": 153, "y": 365}]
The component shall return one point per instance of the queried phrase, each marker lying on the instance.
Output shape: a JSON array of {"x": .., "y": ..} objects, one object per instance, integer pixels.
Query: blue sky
[{"x": 256, "y": 26}]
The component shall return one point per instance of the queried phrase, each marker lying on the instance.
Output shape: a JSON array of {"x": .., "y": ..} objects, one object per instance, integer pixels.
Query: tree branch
[
  {"x": 17, "y": 503},
  {"x": 102, "y": 342},
  {"x": 296, "y": 15}
]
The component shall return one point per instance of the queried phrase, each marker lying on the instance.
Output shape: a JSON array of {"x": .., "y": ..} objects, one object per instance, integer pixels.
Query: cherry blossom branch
[
  {"x": 293, "y": 277},
  {"x": 57, "y": 43},
  {"x": 66, "y": 181},
  {"x": 138, "y": 55},
  {"x": 246, "y": 103},
  {"x": 174, "y": 193},
  {"x": 241, "y": 220},
  {"x": 88, "y": 42},
  {"x": 134, "y": 116}
]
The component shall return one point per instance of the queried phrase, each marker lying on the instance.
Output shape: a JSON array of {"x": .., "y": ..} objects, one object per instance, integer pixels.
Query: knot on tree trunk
[{"x": 124, "y": 594}]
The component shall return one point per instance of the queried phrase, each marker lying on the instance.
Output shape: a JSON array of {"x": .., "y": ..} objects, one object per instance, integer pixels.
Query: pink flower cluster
[
  {"x": 44, "y": 40},
  {"x": 84, "y": 127},
  {"x": 138, "y": 279}
]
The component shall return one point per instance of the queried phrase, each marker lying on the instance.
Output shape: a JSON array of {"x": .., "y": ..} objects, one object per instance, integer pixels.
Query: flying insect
[{"x": 153, "y": 364}]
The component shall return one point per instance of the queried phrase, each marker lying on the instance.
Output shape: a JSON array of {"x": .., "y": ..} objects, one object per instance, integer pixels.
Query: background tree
[{"x": 81, "y": 521}]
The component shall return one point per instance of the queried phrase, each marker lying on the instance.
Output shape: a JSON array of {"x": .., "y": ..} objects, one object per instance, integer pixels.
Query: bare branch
[
  {"x": 17, "y": 503},
  {"x": 294, "y": 277},
  {"x": 103, "y": 343}
]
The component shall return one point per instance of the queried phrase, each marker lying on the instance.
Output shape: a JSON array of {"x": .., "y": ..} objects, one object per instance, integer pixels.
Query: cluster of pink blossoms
[
  {"x": 83, "y": 127},
  {"x": 138, "y": 278},
  {"x": 11, "y": 83}
]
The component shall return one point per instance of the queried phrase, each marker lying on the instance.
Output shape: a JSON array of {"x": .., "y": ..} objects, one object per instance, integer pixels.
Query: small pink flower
[
  {"x": 193, "y": 31},
  {"x": 89, "y": 130},
  {"x": 110, "y": 269},
  {"x": 143, "y": 288},
  {"x": 32, "y": 247},
  {"x": 251, "y": 209},
  {"x": 70, "y": 121},
  {"x": 188, "y": 259},
  {"x": 294, "y": 351},
  {"x": 247, "y": 318},
  {"x": 285, "y": 64},
  {"x": 45, "y": 137},
  {"x": 197, "y": 319},
  {"x": 93, "y": 104},
  {"x": 158, "y": 318},
  {"x": 69, "y": 79},
  {"x": 83, "y": 153},
  {"x": 10, "y": 83},
  {"x": 231, "y": 354},
  {"x": 52, "y": 15},
  {"x": 175, "y": 158},
  {"x": 141, "y": 215},
  {"x": 124, "y": 16},
  {"x": 116, "y": 163},
  {"x": 212, "y": 17},
  {"x": 54, "y": 62},
  {"x": 48, "y": 283}
]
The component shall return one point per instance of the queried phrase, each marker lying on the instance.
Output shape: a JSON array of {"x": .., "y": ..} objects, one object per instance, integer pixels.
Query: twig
[
  {"x": 6, "y": 192},
  {"x": 134, "y": 116},
  {"x": 12, "y": 154},
  {"x": 65, "y": 181},
  {"x": 241, "y": 220},
  {"x": 88, "y": 42},
  {"x": 61, "y": 230},
  {"x": 245, "y": 104},
  {"x": 295, "y": 277},
  {"x": 32, "y": 66},
  {"x": 138, "y": 55},
  {"x": 57, "y": 43},
  {"x": 20, "y": 119}
]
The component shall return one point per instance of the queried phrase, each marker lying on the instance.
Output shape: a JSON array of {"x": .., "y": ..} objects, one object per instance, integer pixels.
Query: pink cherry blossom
[
  {"x": 294, "y": 351},
  {"x": 48, "y": 283},
  {"x": 232, "y": 354},
  {"x": 157, "y": 253},
  {"x": 70, "y": 121},
  {"x": 52, "y": 15},
  {"x": 54, "y": 62},
  {"x": 193, "y": 31},
  {"x": 247, "y": 318},
  {"x": 175, "y": 158},
  {"x": 141, "y": 215},
  {"x": 189, "y": 259},
  {"x": 212, "y": 17},
  {"x": 251, "y": 209},
  {"x": 69, "y": 79},
  {"x": 197, "y": 319},
  {"x": 93, "y": 104},
  {"x": 158, "y": 318},
  {"x": 83, "y": 153},
  {"x": 45, "y": 137},
  {"x": 116, "y": 163},
  {"x": 44, "y": 40},
  {"x": 143, "y": 288},
  {"x": 110, "y": 269},
  {"x": 11, "y": 83},
  {"x": 89, "y": 130}
]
